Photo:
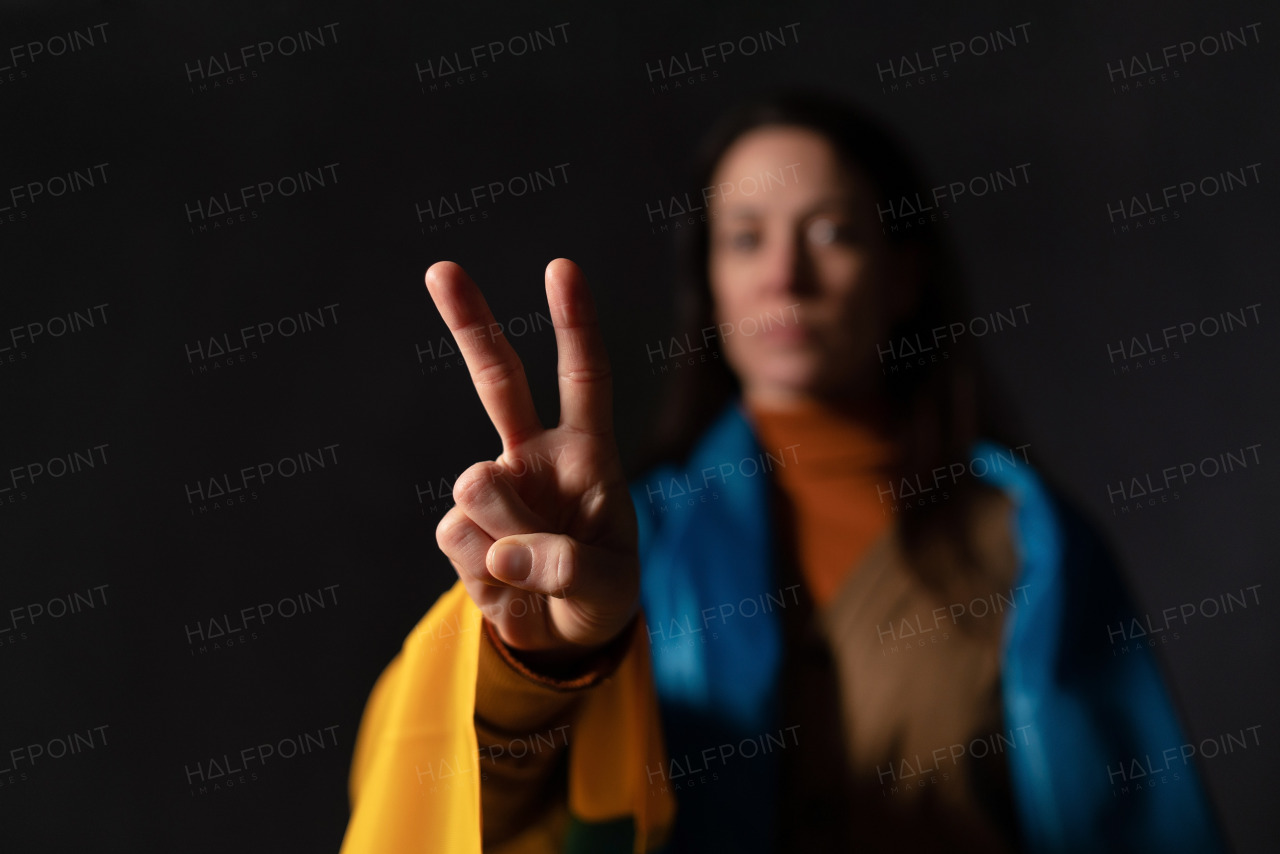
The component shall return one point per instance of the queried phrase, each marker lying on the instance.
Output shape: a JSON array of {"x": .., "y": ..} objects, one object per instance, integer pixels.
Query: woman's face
[{"x": 804, "y": 283}]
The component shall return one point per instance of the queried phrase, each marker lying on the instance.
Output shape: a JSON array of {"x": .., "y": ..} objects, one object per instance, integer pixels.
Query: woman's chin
[{"x": 781, "y": 388}]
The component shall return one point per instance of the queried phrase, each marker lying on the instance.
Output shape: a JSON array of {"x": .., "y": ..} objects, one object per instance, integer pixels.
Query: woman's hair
[{"x": 938, "y": 408}]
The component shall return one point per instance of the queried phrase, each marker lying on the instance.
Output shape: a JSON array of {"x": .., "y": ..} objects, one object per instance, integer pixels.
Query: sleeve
[{"x": 524, "y": 722}]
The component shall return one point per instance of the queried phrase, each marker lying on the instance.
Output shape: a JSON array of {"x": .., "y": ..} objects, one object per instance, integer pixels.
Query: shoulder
[
  {"x": 1045, "y": 521},
  {"x": 728, "y": 440}
]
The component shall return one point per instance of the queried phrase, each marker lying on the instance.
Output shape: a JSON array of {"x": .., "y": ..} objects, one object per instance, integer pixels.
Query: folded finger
[
  {"x": 517, "y": 611},
  {"x": 487, "y": 496},
  {"x": 465, "y": 544}
]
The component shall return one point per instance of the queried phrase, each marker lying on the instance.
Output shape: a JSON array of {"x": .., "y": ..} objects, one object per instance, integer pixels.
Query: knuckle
[
  {"x": 563, "y": 560},
  {"x": 474, "y": 484},
  {"x": 586, "y": 375},
  {"x": 497, "y": 372},
  {"x": 453, "y": 534},
  {"x": 601, "y": 432}
]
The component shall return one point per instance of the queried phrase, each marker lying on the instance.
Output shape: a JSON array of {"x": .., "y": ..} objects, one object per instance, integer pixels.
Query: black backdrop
[{"x": 129, "y": 668}]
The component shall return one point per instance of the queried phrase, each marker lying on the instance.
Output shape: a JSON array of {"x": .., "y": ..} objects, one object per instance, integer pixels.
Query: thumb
[{"x": 552, "y": 564}]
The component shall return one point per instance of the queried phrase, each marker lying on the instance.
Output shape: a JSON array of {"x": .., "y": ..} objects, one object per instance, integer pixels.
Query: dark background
[{"x": 359, "y": 532}]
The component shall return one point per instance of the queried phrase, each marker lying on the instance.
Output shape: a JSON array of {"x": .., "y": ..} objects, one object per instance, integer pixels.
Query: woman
[{"x": 826, "y": 672}]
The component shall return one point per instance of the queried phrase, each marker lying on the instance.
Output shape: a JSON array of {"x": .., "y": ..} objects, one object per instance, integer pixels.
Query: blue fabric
[
  {"x": 705, "y": 549},
  {"x": 1092, "y": 712},
  {"x": 711, "y": 598}
]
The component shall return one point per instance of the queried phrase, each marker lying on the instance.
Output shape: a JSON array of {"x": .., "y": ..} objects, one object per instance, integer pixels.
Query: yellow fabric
[
  {"x": 415, "y": 785},
  {"x": 414, "y": 780}
]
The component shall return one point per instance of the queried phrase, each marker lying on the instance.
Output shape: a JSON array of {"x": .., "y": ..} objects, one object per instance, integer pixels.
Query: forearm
[{"x": 524, "y": 725}]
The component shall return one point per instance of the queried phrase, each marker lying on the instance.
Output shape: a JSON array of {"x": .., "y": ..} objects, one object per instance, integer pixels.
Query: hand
[{"x": 543, "y": 537}]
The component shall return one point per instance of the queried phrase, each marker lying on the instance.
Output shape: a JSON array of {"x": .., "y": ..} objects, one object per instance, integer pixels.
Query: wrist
[{"x": 565, "y": 668}]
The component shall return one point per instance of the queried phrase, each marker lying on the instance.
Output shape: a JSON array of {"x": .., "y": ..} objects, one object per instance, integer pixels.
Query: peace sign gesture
[{"x": 543, "y": 537}]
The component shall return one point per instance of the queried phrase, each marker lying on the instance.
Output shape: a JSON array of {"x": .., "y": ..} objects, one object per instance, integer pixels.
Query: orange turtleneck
[{"x": 837, "y": 463}]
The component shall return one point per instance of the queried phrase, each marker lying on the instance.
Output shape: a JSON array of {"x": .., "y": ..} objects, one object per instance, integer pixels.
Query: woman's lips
[
  {"x": 793, "y": 333},
  {"x": 791, "y": 329}
]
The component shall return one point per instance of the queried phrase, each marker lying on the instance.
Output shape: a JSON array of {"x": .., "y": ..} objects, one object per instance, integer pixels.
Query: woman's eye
[
  {"x": 743, "y": 240},
  {"x": 823, "y": 232}
]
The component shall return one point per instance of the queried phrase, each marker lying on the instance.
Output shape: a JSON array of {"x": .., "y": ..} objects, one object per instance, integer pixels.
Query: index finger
[{"x": 496, "y": 370}]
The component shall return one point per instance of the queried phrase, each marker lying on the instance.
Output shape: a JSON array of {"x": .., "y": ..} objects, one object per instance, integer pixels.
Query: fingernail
[{"x": 512, "y": 562}]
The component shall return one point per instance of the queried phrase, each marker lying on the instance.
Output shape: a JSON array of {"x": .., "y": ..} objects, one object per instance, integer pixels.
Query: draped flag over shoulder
[{"x": 415, "y": 780}]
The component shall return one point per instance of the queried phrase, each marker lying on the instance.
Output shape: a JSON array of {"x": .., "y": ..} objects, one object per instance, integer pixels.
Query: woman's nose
[{"x": 788, "y": 268}]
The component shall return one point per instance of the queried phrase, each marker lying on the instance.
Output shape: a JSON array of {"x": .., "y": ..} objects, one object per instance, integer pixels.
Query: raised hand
[{"x": 543, "y": 537}]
